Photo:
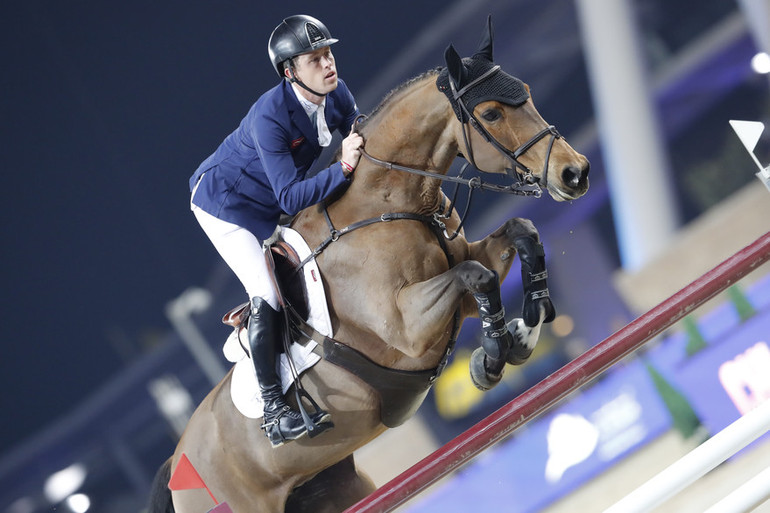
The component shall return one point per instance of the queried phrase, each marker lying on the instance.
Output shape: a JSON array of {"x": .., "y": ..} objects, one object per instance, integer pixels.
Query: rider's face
[{"x": 317, "y": 70}]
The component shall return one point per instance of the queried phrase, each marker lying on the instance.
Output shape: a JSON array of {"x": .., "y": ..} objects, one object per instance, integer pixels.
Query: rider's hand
[{"x": 351, "y": 152}]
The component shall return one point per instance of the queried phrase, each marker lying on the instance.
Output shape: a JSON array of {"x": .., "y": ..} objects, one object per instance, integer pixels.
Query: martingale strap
[{"x": 335, "y": 234}]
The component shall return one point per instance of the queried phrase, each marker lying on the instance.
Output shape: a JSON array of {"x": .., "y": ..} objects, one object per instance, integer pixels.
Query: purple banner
[
  {"x": 730, "y": 376},
  {"x": 561, "y": 450}
]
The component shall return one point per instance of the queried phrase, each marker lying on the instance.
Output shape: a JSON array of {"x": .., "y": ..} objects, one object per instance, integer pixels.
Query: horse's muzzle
[
  {"x": 573, "y": 183},
  {"x": 575, "y": 177}
]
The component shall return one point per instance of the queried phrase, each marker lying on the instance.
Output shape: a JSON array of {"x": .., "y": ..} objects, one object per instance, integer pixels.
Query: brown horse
[{"x": 395, "y": 295}]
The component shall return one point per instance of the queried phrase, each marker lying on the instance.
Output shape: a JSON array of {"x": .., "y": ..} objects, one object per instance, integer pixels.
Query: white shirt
[{"x": 315, "y": 111}]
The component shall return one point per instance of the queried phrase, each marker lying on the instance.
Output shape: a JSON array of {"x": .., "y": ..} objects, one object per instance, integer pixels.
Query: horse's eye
[{"x": 491, "y": 115}]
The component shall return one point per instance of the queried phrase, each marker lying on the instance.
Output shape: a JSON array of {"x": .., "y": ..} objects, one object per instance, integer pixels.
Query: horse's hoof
[
  {"x": 479, "y": 375},
  {"x": 518, "y": 354}
]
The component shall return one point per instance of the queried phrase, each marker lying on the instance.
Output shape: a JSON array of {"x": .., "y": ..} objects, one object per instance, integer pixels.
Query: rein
[{"x": 471, "y": 183}]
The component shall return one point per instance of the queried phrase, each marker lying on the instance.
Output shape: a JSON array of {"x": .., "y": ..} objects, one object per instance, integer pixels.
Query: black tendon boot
[
  {"x": 495, "y": 339},
  {"x": 281, "y": 422},
  {"x": 534, "y": 278},
  {"x": 488, "y": 362}
]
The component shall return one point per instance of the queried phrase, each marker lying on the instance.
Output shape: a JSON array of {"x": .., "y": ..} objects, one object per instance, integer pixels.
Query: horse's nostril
[{"x": 573, "y": 176}]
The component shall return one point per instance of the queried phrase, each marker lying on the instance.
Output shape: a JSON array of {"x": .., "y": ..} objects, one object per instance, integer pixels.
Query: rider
[{"x": 260, "y": 171}]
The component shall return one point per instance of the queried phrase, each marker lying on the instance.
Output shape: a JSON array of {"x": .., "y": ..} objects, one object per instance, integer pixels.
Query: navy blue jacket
[{"x": 259, "y": 170}]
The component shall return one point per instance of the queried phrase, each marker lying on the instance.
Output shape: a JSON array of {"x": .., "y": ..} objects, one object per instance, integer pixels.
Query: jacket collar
[{"x": 298, "y": 115}]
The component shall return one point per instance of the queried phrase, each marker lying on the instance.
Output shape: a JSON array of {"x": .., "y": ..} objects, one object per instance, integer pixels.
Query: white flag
[{"x": 749, "y": 133}]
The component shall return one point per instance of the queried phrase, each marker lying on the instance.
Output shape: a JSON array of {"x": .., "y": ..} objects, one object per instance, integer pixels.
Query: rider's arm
[{"x": 292, "y": 189}]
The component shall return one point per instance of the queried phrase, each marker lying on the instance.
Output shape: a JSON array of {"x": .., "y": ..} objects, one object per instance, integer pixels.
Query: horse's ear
[
  {"x": 487, "y": 40},
  {"x": 455, "y": 66}
]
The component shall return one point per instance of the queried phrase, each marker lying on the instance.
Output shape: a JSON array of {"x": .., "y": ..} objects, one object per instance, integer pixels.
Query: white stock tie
[{"x": 324, "y": 136}]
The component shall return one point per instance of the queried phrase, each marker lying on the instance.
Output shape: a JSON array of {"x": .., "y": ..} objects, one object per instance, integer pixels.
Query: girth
[{"x": 401, "y": 392}]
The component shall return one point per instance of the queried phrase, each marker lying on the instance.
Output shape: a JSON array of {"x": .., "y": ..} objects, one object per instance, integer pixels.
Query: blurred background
[{"x": 112, "y": 295}]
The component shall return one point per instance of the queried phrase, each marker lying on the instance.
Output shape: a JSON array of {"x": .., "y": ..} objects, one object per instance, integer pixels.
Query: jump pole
[
  {"x": 561, "y": 383},
  {"x": 697, "y": 463},
  {"x": 747, "y": 497}
]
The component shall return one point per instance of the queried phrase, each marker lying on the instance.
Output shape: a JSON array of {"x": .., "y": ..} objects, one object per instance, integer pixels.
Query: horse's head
[{"x": 510, "y": 136}]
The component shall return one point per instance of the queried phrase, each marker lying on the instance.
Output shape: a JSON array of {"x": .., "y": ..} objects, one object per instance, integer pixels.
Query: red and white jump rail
[{"x": 564, "y": 381}]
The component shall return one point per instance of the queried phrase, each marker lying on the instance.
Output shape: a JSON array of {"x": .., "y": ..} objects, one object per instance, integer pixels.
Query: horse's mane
[
  {"x": 394, "y": 92},
  {"x": 385, "y": 101}
]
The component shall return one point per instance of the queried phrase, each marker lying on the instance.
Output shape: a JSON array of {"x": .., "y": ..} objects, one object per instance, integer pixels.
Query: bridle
[
  {"x": 526, "y": 183},
  {"x": 523, "y": 180}
]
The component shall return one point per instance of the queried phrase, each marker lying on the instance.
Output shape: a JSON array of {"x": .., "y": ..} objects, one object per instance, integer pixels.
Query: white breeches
[{"x": 242, "y": 251}]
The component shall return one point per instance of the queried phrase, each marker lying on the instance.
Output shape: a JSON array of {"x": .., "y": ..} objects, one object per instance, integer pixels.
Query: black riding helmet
[{"x": 296, "y": 35}]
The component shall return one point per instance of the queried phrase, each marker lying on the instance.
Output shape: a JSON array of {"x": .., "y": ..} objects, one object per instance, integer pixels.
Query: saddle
[
  {"x": 284, "y": 258},
  {"x": 401, "y": 392}
]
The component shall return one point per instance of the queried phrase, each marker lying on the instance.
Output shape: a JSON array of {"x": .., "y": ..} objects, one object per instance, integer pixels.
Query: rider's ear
[
  {"x": 487, "y": 39},
  {"x": 454, "y": 64}
]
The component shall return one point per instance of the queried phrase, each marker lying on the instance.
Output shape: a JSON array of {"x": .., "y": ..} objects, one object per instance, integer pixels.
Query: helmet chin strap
[{"x": 293, "y": 78}]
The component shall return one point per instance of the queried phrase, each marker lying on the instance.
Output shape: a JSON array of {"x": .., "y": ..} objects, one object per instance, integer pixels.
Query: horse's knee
[
  {"x": 476, "y": 278},
  {"x": 520, "y": 227}
]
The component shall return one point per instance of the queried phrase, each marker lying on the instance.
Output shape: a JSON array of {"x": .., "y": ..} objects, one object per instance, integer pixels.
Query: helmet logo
[{"x": 314, "y": 34}]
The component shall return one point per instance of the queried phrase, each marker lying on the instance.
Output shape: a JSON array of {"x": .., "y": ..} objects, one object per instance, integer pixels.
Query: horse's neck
[{"x": 414, "y": 130}]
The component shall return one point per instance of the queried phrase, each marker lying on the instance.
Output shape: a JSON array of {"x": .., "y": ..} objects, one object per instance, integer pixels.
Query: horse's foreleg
[
  {"x": 538, "y": 307},
  {"x": 496, "y": 251},
  {"x": 427, "y": 308},
  {"x": 524, "y": 339},
  {"x": 488, "y": 361}
]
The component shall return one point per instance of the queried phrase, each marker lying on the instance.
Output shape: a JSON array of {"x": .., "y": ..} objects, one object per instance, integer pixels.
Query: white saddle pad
[{"x": 244, "y": 388}]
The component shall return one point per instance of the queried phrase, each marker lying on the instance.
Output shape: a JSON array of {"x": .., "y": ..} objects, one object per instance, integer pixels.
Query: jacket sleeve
[{"x": 293, "y": 191}]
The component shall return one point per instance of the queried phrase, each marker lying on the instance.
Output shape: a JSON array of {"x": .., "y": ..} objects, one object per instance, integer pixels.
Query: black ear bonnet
[{"x": 498, "y": 85}]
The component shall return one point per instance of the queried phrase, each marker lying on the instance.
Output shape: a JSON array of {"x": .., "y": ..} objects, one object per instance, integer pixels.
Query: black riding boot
[{"x": 281, "y": 422}]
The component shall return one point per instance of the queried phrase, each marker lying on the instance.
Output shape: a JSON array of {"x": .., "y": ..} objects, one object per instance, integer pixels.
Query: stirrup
[
  {"x": 313, "y": 426},
  {"x": 319, "y": 421}
]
